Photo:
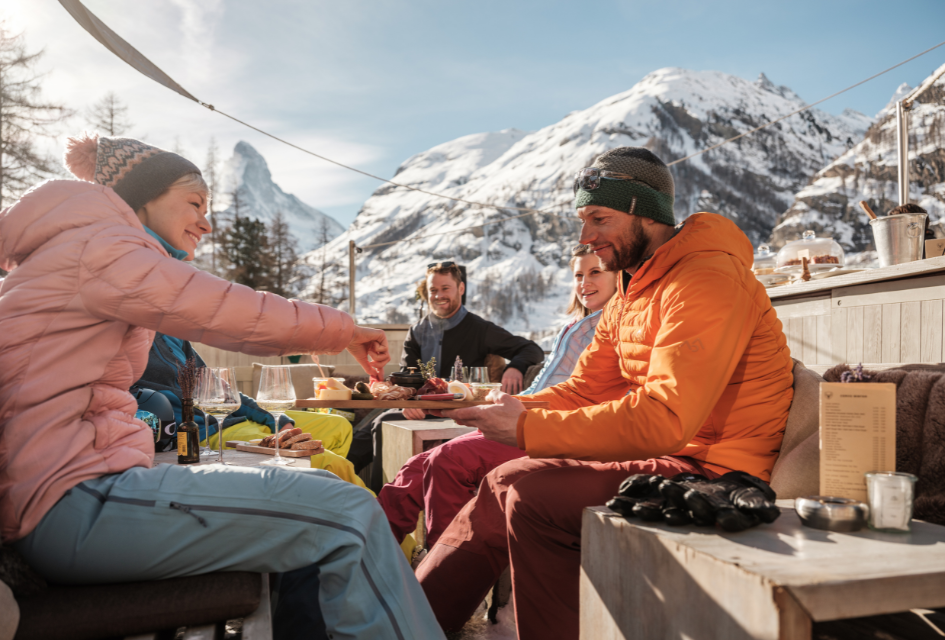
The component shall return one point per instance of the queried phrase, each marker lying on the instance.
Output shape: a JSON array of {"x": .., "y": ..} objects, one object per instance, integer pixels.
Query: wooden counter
[{"x": 879, "y": 316}]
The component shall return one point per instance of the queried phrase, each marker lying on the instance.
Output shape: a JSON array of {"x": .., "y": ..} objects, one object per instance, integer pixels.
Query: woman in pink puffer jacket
[{"x": 90, "y": 282}]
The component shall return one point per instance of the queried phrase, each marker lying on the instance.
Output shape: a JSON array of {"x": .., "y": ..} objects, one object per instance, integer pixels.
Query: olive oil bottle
[{"x": 188, "y": 435}]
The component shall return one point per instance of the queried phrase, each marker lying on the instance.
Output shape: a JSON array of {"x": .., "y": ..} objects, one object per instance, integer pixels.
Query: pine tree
[
  {"x": 109, "y": 116},
  {"x": 285, "y": 268},
  {"x": 248, "y": 251},
  {"x": 23, "y": 118}
]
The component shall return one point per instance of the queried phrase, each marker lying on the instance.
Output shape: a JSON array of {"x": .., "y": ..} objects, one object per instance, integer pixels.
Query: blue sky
[{"x": 372, "y": 83}]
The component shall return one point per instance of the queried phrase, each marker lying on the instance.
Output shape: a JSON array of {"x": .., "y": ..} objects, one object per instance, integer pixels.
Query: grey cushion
[{"x": 797, "y": 470}]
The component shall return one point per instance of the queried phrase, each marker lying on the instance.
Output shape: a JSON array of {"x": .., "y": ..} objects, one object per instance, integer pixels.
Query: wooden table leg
[{"x": 794, "y": 623}]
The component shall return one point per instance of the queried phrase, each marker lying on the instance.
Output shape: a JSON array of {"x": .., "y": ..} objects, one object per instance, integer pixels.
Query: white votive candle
[{"x": 890, "y": 494}]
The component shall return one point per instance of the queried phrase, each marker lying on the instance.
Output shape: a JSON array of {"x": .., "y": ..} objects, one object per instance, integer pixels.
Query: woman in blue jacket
[{"x": 593, "y": 287}]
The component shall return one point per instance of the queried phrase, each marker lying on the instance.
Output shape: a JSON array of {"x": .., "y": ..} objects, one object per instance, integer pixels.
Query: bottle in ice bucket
[{"x": 188, "y": 435}]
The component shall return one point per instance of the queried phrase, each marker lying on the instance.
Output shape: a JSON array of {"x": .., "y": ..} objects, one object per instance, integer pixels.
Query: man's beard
[
  {"x": 633, "y": 249},
  {"x": 446, "y": 312}
]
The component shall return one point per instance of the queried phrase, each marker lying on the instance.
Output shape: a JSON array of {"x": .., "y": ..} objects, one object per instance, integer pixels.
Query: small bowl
[
  {"x": 411, "y": 379},
  {"x": 832, "y": 514},
  {"x": 481, "y": 389}
]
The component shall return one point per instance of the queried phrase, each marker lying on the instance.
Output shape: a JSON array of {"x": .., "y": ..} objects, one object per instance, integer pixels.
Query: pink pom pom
[{"x": 81, "y": 152}]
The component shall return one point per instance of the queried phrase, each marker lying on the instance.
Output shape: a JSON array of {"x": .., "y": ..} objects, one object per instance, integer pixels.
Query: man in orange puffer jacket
[{"x": 689, "y": 371}]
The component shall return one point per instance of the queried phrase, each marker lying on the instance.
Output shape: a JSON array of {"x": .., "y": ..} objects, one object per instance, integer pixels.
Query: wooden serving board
[
  {"x": 239, "y": 445},
  {"x": 311, "y": 403}
]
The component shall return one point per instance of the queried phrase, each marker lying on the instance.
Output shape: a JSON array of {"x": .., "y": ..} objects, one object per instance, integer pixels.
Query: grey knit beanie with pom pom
[{"x": 137, "y": 172}]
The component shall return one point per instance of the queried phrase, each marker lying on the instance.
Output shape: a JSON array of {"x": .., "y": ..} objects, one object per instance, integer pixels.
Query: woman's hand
[{"x": 369, "y": 348}]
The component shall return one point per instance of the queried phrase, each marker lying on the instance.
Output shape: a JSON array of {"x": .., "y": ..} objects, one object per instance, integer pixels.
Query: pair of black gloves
[{"x": 734, "y": 502}]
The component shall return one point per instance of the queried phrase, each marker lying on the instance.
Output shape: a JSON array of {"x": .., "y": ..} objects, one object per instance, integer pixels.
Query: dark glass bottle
[{"x": 188, "y": 435}]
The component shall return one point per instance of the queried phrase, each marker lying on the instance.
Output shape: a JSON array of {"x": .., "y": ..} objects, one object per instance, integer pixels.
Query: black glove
[{"x": 735, "y": 501}]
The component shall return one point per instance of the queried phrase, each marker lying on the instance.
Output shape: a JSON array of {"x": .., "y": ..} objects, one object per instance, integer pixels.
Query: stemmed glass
[
  {"x": 216, "y": 393},
  {"x": 476, "y": 374},
  {"x": 207, "y": 394},
  {"x": 276, "y": 395}
]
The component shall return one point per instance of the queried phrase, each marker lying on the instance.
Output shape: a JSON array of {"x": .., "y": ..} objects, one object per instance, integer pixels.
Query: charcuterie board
[
  {"x": 312, "y": 403},
  {"x": 239, "y": 445}
]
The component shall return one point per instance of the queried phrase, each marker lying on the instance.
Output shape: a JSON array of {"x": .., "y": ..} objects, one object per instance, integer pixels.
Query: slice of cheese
[{"x": 334, "y": 394}]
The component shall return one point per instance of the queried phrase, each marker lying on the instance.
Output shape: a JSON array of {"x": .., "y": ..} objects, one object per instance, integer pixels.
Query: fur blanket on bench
[{"x": 920, "y": 431}]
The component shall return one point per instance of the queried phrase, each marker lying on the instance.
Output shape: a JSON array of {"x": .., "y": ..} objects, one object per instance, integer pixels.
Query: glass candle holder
[{"x": 890, "y": 494}]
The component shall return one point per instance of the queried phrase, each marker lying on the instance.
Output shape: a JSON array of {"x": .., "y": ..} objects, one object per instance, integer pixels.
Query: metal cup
[{"x": 899, "y": 238}]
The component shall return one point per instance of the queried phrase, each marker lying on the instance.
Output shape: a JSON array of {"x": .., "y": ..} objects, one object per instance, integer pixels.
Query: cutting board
[
  {"x": 312, "y": 403},
  {"x": 239, "y": 445}
]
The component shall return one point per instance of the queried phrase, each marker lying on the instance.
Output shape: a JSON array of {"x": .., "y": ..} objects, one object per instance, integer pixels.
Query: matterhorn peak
[{"x": 247, "y": 174}]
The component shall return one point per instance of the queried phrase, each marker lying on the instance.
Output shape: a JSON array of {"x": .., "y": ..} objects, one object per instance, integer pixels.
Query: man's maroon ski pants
[
  {"x": 440, "y": 482},
  {"x": 528, "y": 512}
]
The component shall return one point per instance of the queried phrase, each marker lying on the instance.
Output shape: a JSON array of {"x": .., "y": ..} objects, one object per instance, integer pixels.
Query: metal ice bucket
[{"x": 899, "y": 238}]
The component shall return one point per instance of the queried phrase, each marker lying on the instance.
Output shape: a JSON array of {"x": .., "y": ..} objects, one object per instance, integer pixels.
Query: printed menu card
[{"x": 857, "y": 435}]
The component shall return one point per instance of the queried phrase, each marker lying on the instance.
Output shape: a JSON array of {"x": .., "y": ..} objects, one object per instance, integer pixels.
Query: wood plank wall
[{"x": 900, "y": 321}]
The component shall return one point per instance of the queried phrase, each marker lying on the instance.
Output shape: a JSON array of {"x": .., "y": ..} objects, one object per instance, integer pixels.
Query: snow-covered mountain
[
  {"x": 868, "y": 171},
  {"x": 247, "y": 172},
  {"x": 518, "y": 270}
]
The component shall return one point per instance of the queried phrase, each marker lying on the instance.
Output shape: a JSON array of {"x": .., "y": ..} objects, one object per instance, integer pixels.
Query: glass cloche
[
  {"x": 766, "y": 261},
  {"x": 823, "y": 254}
]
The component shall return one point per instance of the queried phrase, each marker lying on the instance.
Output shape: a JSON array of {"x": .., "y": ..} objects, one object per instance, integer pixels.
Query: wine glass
[
  {"x": 276, "y": 395},
  {"x": 218, "y": 395},
  {"x": 476, "y": 374},
  {"x": 208, "y": 394}
]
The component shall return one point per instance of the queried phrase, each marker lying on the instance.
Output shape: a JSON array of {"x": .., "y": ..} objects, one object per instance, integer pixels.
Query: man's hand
[
  {"x": 369, "y": 348},
  {"x": 415, "y": 414},
  {"x": 498, "y": 422},
  {"x": 512, "y": 380}
]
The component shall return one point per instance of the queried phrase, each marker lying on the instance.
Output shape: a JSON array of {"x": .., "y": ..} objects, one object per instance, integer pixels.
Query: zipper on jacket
[{"x": 185, "y": 509}]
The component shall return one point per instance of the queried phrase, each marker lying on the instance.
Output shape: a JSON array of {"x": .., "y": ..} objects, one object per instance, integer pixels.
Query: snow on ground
[{"x": 480, "y": 628}]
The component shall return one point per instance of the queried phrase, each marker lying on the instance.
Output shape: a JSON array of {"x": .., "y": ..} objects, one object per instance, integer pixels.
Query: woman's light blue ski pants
[{"x": 169, "y": 521}]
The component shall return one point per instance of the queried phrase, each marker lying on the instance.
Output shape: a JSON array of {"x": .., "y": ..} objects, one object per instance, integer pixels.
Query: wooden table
[
  {"x": 403, "y": 439},
  {"x": 879, "y": 316},
  {"x": 768, "y": 583},
  {"x": 237, "y": 458}
]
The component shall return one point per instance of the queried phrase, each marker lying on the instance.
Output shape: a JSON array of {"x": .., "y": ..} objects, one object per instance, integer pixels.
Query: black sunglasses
[
  {"x": 589, "y": 178},
  {"x": 441, "y": 265}
]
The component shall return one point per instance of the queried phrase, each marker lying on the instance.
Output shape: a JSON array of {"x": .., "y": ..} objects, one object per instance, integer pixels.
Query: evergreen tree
[
  {"x": 23, "y": 118},
  {"x": 248, "y": 251},
  {"x": 285, "y": 266},
  {"x": 109, "y": 116}
]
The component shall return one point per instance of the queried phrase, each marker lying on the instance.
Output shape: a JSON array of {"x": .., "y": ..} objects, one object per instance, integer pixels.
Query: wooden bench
[{"x": 773, "y": 582}]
